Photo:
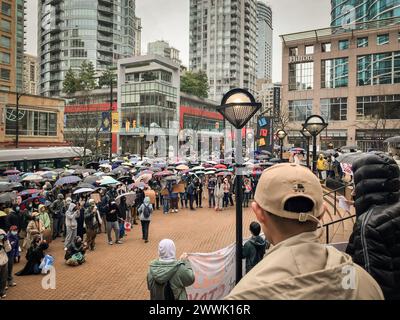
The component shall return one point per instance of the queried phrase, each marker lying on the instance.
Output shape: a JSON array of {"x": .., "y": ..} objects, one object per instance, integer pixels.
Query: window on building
[
  {"x": 344, "y": 44},
  {"x": 378, "y": 107},
  {"x": 5, "y": 42},
  {"x": 326, "y": 47},
  {"x": 5, "y": 25},
  {"x": 382, "y": 39},
  {"x": 376, "y": 69},
  {"x": 6, "y": 8},
  {"x": 4, "y": 58},
  {"x": 362, "y": 42},
  {"x": 31, "y": 123},
  {"x": 300, "y": 110},
  {"x": 293, "y": 51},
  {"x": 301, "y": 76},
  {"x": 310, "y": 49},
  {"x": 4, "y": 74},
  {"x": 335, "y": 73},
  {"x": 334, "y": 109}
]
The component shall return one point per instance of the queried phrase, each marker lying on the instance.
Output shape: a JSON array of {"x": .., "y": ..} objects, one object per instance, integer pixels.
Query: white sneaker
[
  {"x": 176, "y": 210},
  {"x": 110, "y": 243},
  {"x": 65, "y": 249}
]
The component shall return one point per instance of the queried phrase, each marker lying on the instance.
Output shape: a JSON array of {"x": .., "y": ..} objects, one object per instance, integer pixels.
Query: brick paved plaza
[{"x": 119, "y": 271}]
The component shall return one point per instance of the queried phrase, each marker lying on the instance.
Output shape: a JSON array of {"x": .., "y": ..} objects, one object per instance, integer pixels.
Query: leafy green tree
[
  {"x": 71, "y": 82},
  {"x": 106, "y": 77},
  {"x": 195, "y": 83},
  {"x": 87, "y": 76}
]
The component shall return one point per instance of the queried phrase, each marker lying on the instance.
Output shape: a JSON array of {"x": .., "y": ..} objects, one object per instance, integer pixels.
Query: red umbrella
[
  {"x": 29, "y": 192},
  {"x": 164, "y": 173},
  {"x": 220, "y": 166},
  {"x": 223, "y": 174}
]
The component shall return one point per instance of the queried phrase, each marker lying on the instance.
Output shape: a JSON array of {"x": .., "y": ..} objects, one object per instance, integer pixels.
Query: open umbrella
[
  {"x": 33, "y": 178},
  {"x": 83, "y": 190},
  {"x": 17, "y": 186},
  {"x": 14, "y": 178},
  {"x": 93, "y": 165},
  {"x": 67, "y": 180},
  {"x": 130, "y": 198},
  {"x": 5, "y": 186},
  {"x": 393, "y": 140},
  {"x": 350, "y": 158},
  {"x": 90, "y": 180},
  {"x": 76, "y": 166},
  {"x": 85, "y": 185},
  {"x": 125, "y": 179},
  {"x": 105, "y": 181},
  {"x": 29, "y": 192},
  {"x": 198, "y": 168},
  {"x": 220, "y": 166},
  {"x": 119, "y": 170},
  {"x": 182, "y": 167},
  {"x": 164, "y": 173},
  {"x": 8, "y": 197},
  {"x": 173, "y": 178},
  {"x": 11, "y": 172}
]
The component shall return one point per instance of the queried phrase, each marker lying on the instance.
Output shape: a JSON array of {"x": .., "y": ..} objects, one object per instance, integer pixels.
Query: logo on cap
[{"x": 299, "y": 188}]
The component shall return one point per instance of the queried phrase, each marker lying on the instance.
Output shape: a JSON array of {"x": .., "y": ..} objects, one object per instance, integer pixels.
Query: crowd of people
[{"x": 287, "y": 202}]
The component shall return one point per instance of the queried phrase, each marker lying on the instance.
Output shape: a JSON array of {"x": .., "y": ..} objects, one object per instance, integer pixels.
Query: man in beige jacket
[{"x": 289, "y": 206}]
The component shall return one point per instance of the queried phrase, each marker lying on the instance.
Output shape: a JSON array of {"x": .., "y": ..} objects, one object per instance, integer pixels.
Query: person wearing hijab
[{"x": 168, "y": 277}]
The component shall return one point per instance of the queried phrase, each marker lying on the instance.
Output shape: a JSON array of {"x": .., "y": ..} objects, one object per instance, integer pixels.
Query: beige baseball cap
[{"x": 285, "y": 181}]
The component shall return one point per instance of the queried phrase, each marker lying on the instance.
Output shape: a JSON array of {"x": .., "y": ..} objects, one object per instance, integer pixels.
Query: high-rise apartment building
[
  {"x": 162, "y": 48},
  {"x": 264, "y": 41},
  {"x": 223, "y": 43},
  {"x": 345, "y": 12},
  {"x": 138, "y": 37},
  {"x": 31, "y": 74},
  {"x": 72, "y": 31},
  {"x": 11, "y": 44}
]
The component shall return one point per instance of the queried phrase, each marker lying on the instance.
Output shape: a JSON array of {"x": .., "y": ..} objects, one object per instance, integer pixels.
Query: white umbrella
[
  {"x": 83, "y": 190},
  {"x": 198, "y": 168},
  {"x": 33, "y": 177},
  {"x": 130, "y": 198}
]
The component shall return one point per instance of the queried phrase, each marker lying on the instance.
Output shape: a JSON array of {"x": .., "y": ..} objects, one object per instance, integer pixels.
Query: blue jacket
[{"x": 14, "y": 242}]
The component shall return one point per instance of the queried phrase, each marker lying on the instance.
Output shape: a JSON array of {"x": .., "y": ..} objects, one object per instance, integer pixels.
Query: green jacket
[
  {"x": 254, "y": 251},
  {"x": 179, "y": 274},
  {"x": 45, "y": 219}
]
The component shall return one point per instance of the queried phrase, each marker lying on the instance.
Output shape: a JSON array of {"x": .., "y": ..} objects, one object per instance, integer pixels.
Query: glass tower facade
[
  {"x": 363, "y": 10},
  {"x": 264, "y": 43},
  {"x": 72, "y": 31}
]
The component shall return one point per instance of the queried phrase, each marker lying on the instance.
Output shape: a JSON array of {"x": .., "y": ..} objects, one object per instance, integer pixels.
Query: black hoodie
[{"x": 254, "y": 251}]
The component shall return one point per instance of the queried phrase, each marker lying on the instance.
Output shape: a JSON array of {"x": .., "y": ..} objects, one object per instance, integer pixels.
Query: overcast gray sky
[{"x": 169, "y": 20}]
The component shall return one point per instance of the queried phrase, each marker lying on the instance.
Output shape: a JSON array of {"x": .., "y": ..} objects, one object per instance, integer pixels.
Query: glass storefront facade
[
  {"x": 334, "y": 109},
  {"x": 362, "y": 10},
  {"x": 300, "y": 110},
  {"x": 378, "y": 107},
  {"x": 31, "y": 123},
  {"x": 335, "y": 73},
  {"x": 301, "y": 76},
  {"x": 376, "y": 69}
]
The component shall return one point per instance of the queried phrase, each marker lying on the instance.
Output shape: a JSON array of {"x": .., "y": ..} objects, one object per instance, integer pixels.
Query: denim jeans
[
  {"x": 165, "y": 205},
  {"x": 246, "y": 199},
  {"x": 145, "y": 229},
  {"x": 226, "y": 200},
  {"x": 113, "y": 226},
  {"x": 211, "y": 199},
  {"x": 121, "y": 230},
  {"x": 183, "y": 197}
]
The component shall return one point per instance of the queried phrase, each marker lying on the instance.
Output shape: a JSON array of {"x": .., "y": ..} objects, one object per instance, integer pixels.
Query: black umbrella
[
  {"x": 126, "y": 178},
  {"x": 17, "y": 186},
  {"x": 93, "y": 165},
  {"x": 84, "y": 185},
  {"x": 7, "y": 197},
  {"x": 91, "y": 179},
  {"x": 75, "y": 167},
  {"x": 5, "y": 187}
]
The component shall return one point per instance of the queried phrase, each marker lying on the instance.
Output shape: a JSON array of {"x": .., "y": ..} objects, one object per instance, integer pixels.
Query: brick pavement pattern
[{"x": 119, "y": 271}]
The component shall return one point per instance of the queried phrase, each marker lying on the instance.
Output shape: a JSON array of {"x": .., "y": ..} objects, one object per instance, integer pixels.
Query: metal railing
[{"x": 327, "y": 225}]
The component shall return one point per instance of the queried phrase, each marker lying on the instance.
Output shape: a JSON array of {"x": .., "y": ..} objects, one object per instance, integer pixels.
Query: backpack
[
  {"x": 168, "y": 293},
  {"x": 146, "y": 212}
]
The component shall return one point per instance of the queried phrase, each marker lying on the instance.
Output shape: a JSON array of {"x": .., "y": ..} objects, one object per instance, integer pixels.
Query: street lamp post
[
  {"x": 238, "y": 106},
  {"x": 281, "y": 134},
  {"x": 141, "y": 146},
  {"x": 315, "y": 125},
  {"x": 18, "y": 97},
  {"x": 307, "y": 135}
]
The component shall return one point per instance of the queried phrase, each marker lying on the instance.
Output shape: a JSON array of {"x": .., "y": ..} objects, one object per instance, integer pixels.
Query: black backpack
[
  {"x": 146, "y": 212},
  {"x": 168, "y": 293}
]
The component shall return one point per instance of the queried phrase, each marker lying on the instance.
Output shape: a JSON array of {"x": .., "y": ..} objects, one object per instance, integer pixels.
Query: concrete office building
[
  {"x": 352, "y": 79},
  {"x": 162, "y": 48},
  {"x": 345, "y": 12},
  {"x": 72, "y": 31},
  {"x": 264, "y": 41},
  {"x": 11, "y": 44},
  {"x": 31, "y": 74},
  {"x": 223, "y": 43}
]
